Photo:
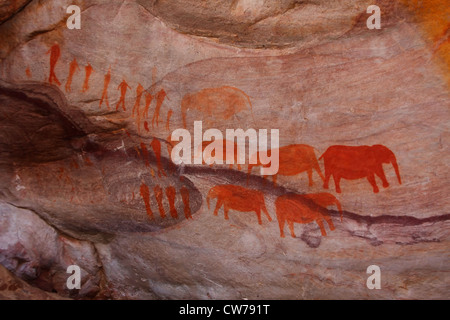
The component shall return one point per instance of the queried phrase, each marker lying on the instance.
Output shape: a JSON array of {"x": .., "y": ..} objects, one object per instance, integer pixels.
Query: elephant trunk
[{"x": 397, "y": 172}]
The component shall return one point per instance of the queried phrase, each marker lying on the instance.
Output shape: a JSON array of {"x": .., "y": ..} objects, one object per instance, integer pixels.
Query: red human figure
[
  {"x": 72, "y": 69},
  {"x": 105, "y": 89},
  {"x": 145, "y": 154},
  {"x": 145, "y": 194},
  {"x": 28, "y": 72},
  {"x": 139, "y": 92},
  {"x": 89, "y": 70},
  {"x": 137, "y": 105},
  {"x": 160, "y": 96},
  {"x": 123, "y": 86},
  {"x": 156, "y": 145},
  {"x": 171, "y": 194},
  {"x": 55, "y": 53},
  {"x": 148, "y": 102},
  {"x": 159, "y": 198},
  {"x": 169, "y": 115},
  {"x": 185, "y": 197}
]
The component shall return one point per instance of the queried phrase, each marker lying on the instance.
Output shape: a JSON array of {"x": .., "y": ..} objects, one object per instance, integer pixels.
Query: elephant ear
[{"x": 382, "y": 154}]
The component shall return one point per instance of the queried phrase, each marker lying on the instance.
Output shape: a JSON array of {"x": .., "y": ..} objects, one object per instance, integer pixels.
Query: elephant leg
[
  {"x": 337, "y": 183},
  {"x": 380, "y": 172},
  {"x": 258, "y": 214},
  {"x": 371, "y": 178},
  {"x": 291, "y": 228},
  {"x": 329, "y": 221},
  {"x": 321, "y": 226},
  {"x": 267, "y": 213},
  {"x": 311, "y": 183},
  {"x": 281, "y": 225},
  {"x": 225, "y": 211},
  {"x": 218, "y": 205}
]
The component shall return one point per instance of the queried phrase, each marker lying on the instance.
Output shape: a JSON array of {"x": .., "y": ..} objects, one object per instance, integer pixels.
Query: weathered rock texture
[{"x": 85, "y": 170}]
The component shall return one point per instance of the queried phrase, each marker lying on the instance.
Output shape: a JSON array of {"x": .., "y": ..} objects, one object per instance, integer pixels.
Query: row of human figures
[{"x": 141, "y": 114}]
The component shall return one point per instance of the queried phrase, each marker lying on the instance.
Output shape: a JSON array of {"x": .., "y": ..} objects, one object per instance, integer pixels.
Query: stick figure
[
  {"x": 89, "y": 70},
  {"x": 169, "y": 115},
  {"x": 156, "y": 145},
  {"x": 55, "y": 53},
  {"x": 148, "y": 102},
  {"x": 139, "y": 92},
  {"x": 72, "y": 69},
  {"x": 28, "y": 72},
  {"x": 123, "y": 91},
  {"x": 105, "y": 88},
  {"x": 160, "y": 96}
]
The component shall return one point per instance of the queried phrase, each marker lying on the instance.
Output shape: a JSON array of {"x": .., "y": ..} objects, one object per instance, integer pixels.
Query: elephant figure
[
  {"x": 358, "y": 162},
  {"x": 297, "y": 208},
  {"x": 293, "y": 159},
  {"x": 238, "y": 198},
  {"x": 216, "y": 103}
]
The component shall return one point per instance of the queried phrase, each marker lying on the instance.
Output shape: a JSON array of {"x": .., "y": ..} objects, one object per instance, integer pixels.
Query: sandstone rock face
[
  {"x": 87, "y": 178},
  {"x": 9, "y": 8}
]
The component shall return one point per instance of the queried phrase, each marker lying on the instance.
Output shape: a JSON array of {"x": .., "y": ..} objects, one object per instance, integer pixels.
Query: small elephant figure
[
  {"x": 239, "y": 199},
  {"x": 218, "y": 103},
  {"x": 293, "y": 159},
  {"x": 358, "y": 162},
  {"x": 297, "y": 208}
]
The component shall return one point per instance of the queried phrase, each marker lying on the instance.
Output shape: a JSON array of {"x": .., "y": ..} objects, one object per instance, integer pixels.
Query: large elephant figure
[
  {"x": 218, "y": 103},
  {"x": 358, "y": 162}
]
